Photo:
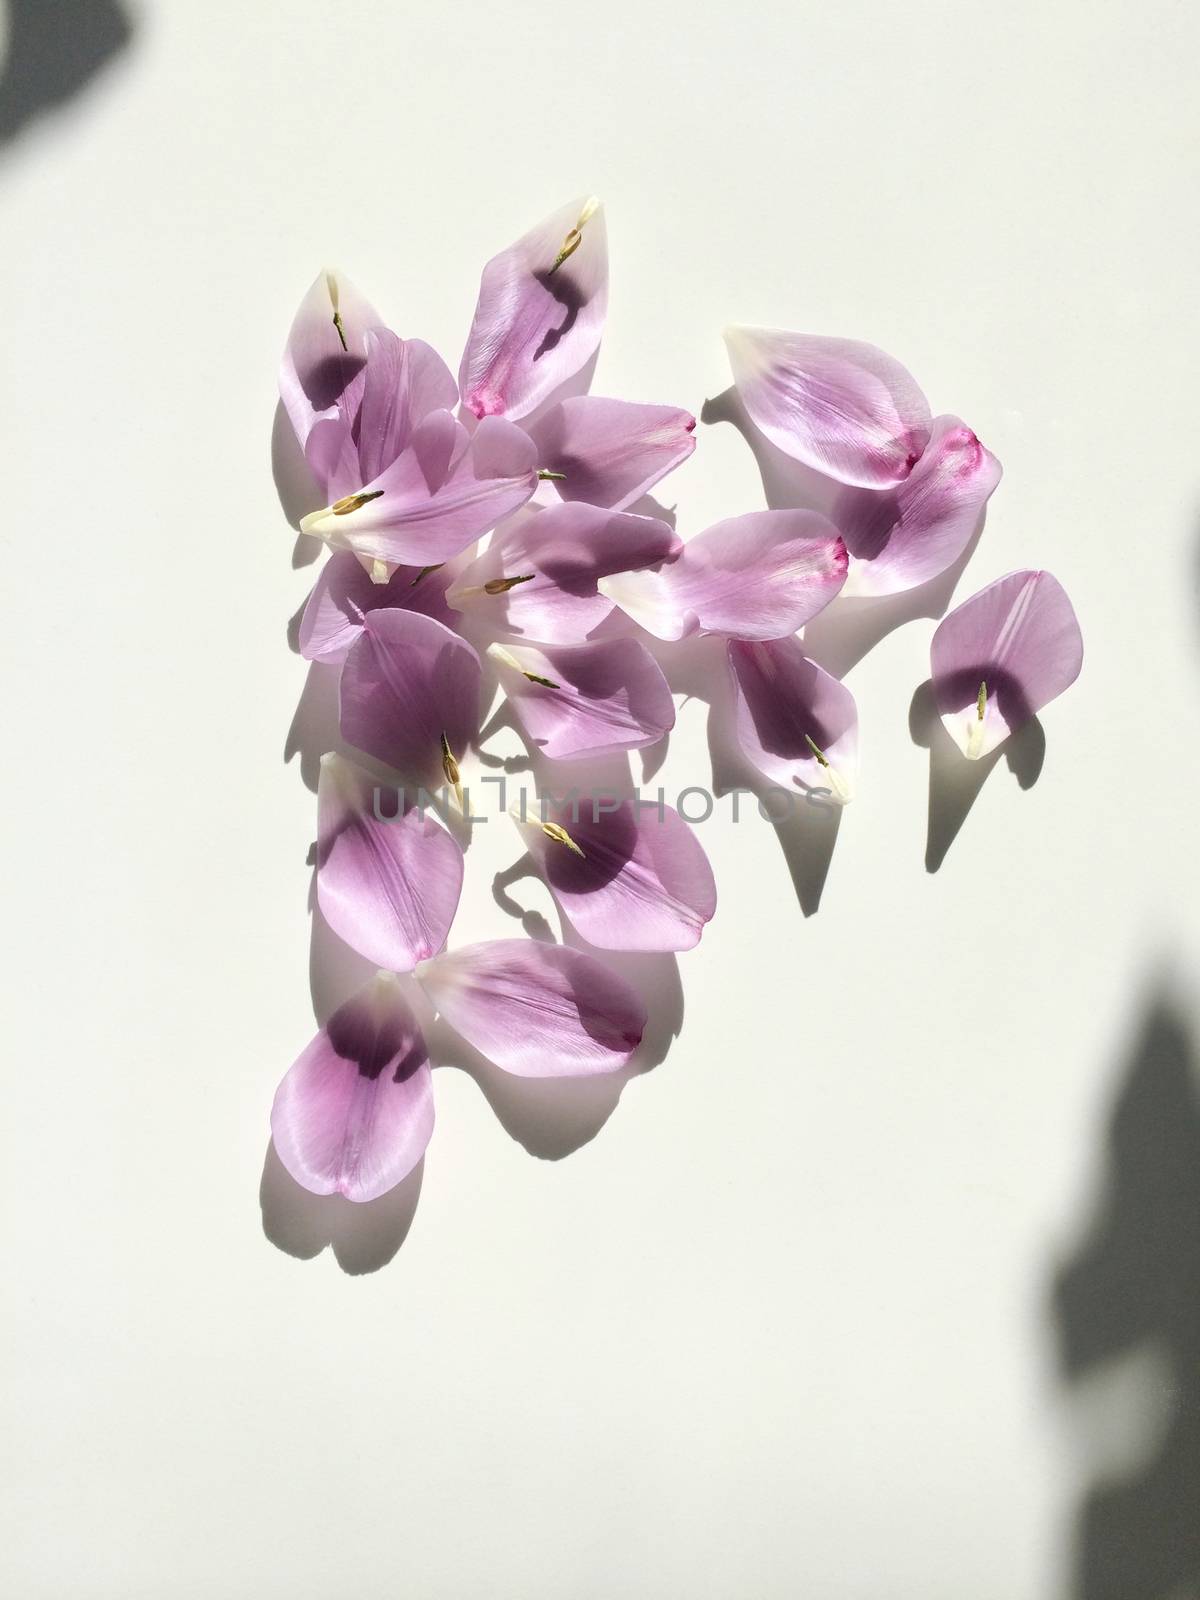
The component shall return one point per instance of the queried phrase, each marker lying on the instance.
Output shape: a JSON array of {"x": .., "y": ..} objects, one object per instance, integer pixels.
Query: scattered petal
[
  {"x": 537, "y": 1010},
  {"x": 796, "y": 724},
  {"x": 406, "y": 684},
  {"x": 840, "y": 406},
  {"x": 1001, "y": 656},
  {"x": 388, "y": 884},
  {"x": 444, "y": 491},
  {"x": 611, "y": 452},
  {"x": 560, "y": 555},
  {"x": 586, "y": 700},
  {"x": 345, "y": 592},
  {"x": 758, "y": 576},
  {"x": 898, "y": 538},
  {"x": 354, "y": 1114},
  {"x": 320, "y": 364},
  {"x": 539, "y": 316},
  {"x": 624, "y": 881}
]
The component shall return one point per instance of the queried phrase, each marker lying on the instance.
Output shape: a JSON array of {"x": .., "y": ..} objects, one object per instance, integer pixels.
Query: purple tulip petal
[
  {"x": 540, "y": 313},
  {"x": 388, "y": 885},
  {"x": 441, "y": 494},
  {"x": 898, "y": 538},
  {"x": 344, "y": 593},
  {"x": 354, "y": 1114},
  {"x": 320, "y": 365},
  {"x": 845, "y": 408},
  {"x": 537, "y": 1010},
  {"x": 586, "y": 700},
  {"x": 758, "y": 576},
  {"x": 1001, "y": 656},
  {"x": 785, "y": 705},
  {"x": 559, "y": 555},
  {"x": 404, "y": 381},
  {"x": 610, "y": 452},
  {"x": 624, "y": 881},
  {"x": 407, "y": 685}
]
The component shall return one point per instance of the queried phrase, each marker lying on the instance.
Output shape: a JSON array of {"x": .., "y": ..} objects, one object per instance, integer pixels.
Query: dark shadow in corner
[
  {"x": 1135, "y": 1281},
  {"x": 955, "y": 782},
  {"x": 364, "y": 1235},
  {"x": 55, "y": 49}
]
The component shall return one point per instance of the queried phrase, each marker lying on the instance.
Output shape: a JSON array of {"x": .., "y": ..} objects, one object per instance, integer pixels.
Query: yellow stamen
[
  {"x": 450, "y": 768},
  {"x": 561, "y": 836},
  {"x": 424, "y": 573},
  {"x": 546, "y": 683},
  {"x": 574, "y": 237},
  {"x": 331, "y": 285},
  {"x": 353, "y": 502},
  {"x": 503, "y": 585},
  {"x": 836, "y": 782},
  {"x": 545, "y": 474}
]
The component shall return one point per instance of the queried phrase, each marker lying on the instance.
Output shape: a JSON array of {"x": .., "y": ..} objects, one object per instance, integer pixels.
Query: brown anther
[
  {"x": 503, "y": 585},
  {"x": 561, "y": 836},
  {"x": 353, "y": 502}
]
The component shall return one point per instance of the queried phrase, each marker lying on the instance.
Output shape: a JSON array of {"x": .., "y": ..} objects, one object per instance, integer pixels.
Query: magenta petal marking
[
  {"x": 354, "y": 1114},
  {"x": 575, "y": 701},
  {"x": 628, "y": 879},
  {"x": 1001, "y": 656},
  {"x": 344, "y": 592},
  {"x": 758, "y": 576},
  {"x": 898, "y": 538},
  {"x": 537, "y": 323},
  {"x": 611, "y": 452},
  {"x": 786, "y": 704},
  {"x": 563, "y": 553},
  {"x": 537, "y": 1010},
  {"x": 842, "y": 407},
  {"x": 388, "y": 884},
  {"x": 405, "y": 683}
]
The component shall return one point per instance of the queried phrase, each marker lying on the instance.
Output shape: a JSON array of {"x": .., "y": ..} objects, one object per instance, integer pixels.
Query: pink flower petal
[
  {"x": 560, "y": 555},
  {"x": 354, "y": 1114},
  {"x": 586, "y": 700},
  {"x": 406, "y": 684},
  {"x": 344, "y": 593},
  {"x": 537, "y": 1010},
  {"x": 319, "y": 366},
  {"x": 898, "y": 538},
  {"x": 611, "y": 452},
  {"x": 784, "y": 700},
  {"x": 1001, "y": 656},
  {"x": 404, "y": 381},
  {"x": 537, "y": 323},
  {"x": 626, "y": 878},
  {"x": 845, "y": 408},
  {"x": 387, "y": 884},
  {"x": 444, "y": 491},
  {"x": 758, "y": 576}
]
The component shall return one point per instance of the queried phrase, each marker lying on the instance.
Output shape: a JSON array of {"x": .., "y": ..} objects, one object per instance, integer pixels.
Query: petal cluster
[
  {"x": 490, "y": 534},
  {"x": 415, "y": 469}
]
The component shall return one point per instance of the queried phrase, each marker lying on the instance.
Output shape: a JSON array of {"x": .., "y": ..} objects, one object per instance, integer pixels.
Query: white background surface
[{"x": 787, "y": 1325}]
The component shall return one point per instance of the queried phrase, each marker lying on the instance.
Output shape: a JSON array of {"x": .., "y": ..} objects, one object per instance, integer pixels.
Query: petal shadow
[
  {"x": 363, "y": 1236},
  {"x": 549, "y": 1117},
  {"x": 955, "y": 782}
]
